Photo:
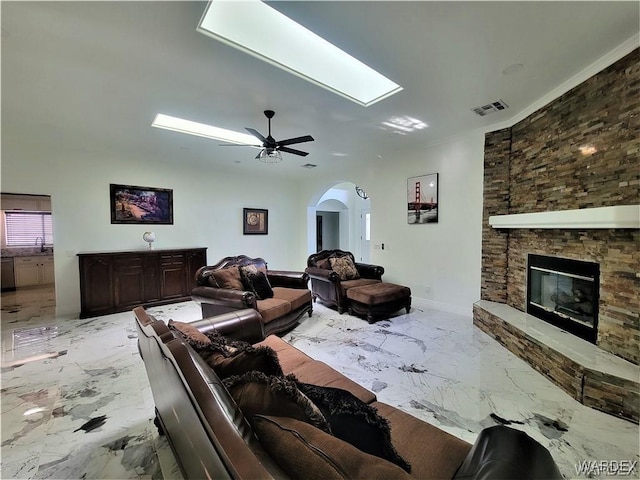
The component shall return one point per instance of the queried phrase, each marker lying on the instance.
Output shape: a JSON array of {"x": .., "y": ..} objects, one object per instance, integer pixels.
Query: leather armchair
[
  {"x": 326, "y": 283},
  {"x": 288, "y": 286}
]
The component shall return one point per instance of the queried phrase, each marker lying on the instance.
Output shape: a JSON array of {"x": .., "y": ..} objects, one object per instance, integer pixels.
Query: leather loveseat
[
  {"x": 235, "y": 283},
  {"x": 330, "y": 284},
  {"x": 211, "y": 437}
]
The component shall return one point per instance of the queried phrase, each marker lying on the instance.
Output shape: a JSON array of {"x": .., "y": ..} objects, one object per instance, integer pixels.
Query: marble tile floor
[
  {"x": 432, "y": 364},
  {"x": 35, "y": 304},
  {"x": 60, "y": 373}
]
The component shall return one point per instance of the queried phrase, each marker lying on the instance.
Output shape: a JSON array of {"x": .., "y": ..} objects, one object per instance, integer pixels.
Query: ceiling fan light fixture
[{"x": 270, "y": 155}]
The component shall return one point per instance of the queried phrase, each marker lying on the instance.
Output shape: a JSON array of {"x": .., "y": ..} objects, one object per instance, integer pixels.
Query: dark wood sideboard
[{"x": 113, "y": 282}]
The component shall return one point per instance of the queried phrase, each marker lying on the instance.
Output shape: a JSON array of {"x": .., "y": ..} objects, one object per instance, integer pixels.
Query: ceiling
[{"x": 89, "y": 77}]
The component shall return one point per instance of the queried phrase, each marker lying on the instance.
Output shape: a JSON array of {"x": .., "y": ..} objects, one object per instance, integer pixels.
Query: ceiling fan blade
[
  {"x": 256, "y": 134},
  {"x": 291, "y": 141},
  {"x": 294, "y": 151}
]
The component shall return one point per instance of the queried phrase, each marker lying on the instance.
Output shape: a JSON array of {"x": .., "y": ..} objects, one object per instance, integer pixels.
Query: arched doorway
[{"x": 339, "y": 218}]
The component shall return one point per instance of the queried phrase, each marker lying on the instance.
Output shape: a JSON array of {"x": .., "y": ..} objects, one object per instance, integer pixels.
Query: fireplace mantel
[{"x": 622, "y": 216}]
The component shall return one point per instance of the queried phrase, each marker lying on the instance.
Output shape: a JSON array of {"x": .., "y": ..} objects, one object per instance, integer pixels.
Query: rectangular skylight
[
  {"x": 203, "y": 130},
  {"x": 259, "y": 30}
]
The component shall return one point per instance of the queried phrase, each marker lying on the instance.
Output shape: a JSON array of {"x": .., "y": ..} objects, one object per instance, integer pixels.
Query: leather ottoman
[{"x": 378, "y": 300}]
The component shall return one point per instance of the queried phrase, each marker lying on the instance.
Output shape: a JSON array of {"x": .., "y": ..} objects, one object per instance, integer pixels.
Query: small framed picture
[{"x": 255, "y": 221}]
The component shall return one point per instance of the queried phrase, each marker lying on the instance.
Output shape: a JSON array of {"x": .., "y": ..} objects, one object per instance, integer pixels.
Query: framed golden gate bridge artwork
[{"x": 422, "y": 199}]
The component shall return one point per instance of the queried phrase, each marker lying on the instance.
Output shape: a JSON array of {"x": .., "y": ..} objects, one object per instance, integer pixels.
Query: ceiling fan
[{"x": 271, "y": 149}]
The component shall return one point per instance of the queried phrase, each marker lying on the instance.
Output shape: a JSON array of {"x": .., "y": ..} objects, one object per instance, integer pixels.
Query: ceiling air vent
[
  {"x": 309, "y": 165},
  {"x": 490, "y": 108}
]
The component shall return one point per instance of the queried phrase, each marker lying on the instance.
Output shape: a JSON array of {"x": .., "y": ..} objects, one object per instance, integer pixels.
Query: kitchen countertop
[{"x": 25, "y": 252}]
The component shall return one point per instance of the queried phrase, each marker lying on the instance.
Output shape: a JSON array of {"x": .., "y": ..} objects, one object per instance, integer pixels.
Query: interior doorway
[
  {"x": 334, "y": 221},
  {"x": 327, "y": 230},
  {"x": 28, "y": 275},
  {"x": 319, "y": 243}
]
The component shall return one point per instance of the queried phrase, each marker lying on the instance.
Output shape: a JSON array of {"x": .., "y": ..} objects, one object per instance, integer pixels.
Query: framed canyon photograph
[{"x": 141, "y": 205}]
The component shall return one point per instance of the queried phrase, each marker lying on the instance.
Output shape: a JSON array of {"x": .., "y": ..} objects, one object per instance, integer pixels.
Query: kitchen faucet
[{"x": 42, "y": 249}]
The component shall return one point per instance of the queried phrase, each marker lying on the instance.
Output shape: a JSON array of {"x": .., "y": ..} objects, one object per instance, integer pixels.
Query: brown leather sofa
[
  {"x": 211, "y": 438},
  {"x": 326, "y": 283},
  {"x": 221, "y": 289}
]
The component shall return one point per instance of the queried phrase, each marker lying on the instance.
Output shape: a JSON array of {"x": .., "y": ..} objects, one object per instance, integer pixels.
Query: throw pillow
[
  {"x": 228, "y": 278},
  {"x": 191, "y": 334},
  {"x": 344, "y": 267},
  {"x": 261, "y": 286},
  {"x": 253, "y": 269},
  {"x": 260, "y": 394},
  {"x": 324, "y": 263},
  {"x": 355, "y": 422},
  {"x": 307, "y": 452},
  {"x": 211, "y": 281},
  {"x": 228, "y": 358},
  {"x": 255, "y": 280}
]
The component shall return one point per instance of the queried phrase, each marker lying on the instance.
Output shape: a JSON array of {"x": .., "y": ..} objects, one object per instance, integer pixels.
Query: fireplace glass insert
[{"x": 564, "y": 292}]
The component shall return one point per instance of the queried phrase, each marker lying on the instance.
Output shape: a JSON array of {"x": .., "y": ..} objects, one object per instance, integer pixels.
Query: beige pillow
[
  {"x": 344, "y": 267},
  {"x": 252, "y": 269}
]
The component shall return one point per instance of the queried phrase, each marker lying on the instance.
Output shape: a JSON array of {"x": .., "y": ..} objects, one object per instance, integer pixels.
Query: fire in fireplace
[{"x": 564, "y": 292}]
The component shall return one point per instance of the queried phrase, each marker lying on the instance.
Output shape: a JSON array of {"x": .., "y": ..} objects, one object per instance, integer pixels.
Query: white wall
[
  {"x": 445, "y": 256},
  {"x": 207, "y": 210}
]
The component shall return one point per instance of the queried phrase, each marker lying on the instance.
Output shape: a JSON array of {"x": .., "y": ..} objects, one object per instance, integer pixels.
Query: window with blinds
[{"x": 23, "y": 228}]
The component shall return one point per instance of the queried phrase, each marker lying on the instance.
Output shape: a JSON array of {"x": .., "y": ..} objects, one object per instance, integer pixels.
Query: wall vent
[
  {"x": 490, "y": 108},
  {"x": 309, "y": 165}
]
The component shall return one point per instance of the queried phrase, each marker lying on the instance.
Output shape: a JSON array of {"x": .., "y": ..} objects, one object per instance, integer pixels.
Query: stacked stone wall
[
  {"x": 580, "y": 151},
  {"x": 583, "y": 149},
  {"x": 497, "y": 150}
]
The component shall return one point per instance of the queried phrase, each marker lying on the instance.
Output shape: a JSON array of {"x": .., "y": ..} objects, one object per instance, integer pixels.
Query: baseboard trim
[{"x": 446, "y": 307}]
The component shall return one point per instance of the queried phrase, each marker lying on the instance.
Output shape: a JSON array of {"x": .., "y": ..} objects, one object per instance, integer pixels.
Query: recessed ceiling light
[
  {"x": 339, "y": 154},
  {"x": 405, "y": 124},
  {"x": 309, "y": 165},
  {"x": 203, "y": 130},
  {"x": 259, "y": 30}
]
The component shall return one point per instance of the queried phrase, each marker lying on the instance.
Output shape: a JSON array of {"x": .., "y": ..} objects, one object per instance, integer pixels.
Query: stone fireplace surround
[{"x": 536, "y": 169}]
